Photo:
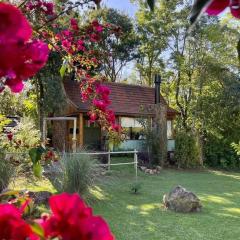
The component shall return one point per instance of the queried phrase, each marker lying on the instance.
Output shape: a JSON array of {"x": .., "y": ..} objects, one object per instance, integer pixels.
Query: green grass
[{"x": 142, "y": 216}]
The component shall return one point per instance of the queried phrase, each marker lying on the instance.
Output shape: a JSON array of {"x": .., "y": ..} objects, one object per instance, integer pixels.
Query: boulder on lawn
[{"x": 181, "y": 200}]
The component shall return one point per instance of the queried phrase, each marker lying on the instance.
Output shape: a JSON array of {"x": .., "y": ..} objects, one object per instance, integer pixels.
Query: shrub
[
  {"x": 76, "y": 173},
  {"x": 23, "y": 137},
  {"x": 219, "y": 152},
  {"x": 5, "y": 171},
  {"x": 186, "y": 151}
]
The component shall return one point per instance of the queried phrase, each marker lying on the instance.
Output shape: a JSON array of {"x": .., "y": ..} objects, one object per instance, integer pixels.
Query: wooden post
[
  {"x": 81, "y": 129},
  {"x": 136, "y": 164},
  {"x": 109, "y": 161},
  {"x": 74, "y": 139}
]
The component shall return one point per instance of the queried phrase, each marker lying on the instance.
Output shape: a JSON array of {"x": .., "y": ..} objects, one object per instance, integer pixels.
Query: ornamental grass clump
[
  {"x": 5, "y": 171},
  {"x": 76, "y": 173}
]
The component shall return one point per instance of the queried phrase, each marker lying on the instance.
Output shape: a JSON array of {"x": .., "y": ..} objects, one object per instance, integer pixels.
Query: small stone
[
  {"x": 159, "y": 168},
  {"x": 151, "y": 172},
  {"x": 143, "y": 168},
  {"x": 147, "y": 171}
]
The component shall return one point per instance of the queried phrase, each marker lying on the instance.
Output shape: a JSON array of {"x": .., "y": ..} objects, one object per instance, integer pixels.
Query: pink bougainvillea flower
[
  {"x": 49, "y": 8},
  {"x": 20, "y": 57},
  {"x": 94, "y": 37},
  {"x": 72, "y": 219},
  {"x": 99, "y": 28},
  {"x": 100, "y": 89},
  {"x": 235, "y": 8},
  {"x": 13, "y": 24},
  {"x": 116, "y": 127},
  {"x": 16, "y": 85},
  {"x": 12, "y": 227},
  {"x": 110, "y": 116},
  {"x": 18, "y": 62},
  {"x": 74, "y": 24},
  {"x": 96, "y": 26},
  {"x": 92, "y": 116},
  {"x": 10, "y": 136},
  {"x": 216, "y": 7},
  {"x": 100, "y": 104}
]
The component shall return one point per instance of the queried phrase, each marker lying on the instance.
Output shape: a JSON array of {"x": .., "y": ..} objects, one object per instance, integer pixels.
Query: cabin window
[{"x": 132, "y": 128}]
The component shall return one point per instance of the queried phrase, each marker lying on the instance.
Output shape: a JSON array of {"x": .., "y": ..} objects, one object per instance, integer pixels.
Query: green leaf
[
  {"x": 197, "y": 9},
  {"x": 37, "y": 170},
  {"x": 151, "y": 4},
  {"x": 37, "y": 229},
  {"x": 63, "y": 70},
  {"x": 9, "y": 193},
  {"x": 36, "y": 154}
]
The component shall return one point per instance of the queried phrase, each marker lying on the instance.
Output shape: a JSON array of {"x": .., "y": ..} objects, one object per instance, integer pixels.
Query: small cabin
[{"x": 131, "y": 103}]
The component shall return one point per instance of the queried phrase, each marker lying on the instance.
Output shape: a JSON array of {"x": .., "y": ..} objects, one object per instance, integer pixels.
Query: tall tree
[
  {"x": 200, "y": 66},
  {"x": 120, "y": 48},
  {"x": 153, "y": 30}
]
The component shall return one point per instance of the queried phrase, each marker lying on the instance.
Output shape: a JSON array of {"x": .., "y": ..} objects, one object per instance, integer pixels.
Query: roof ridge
[{"x": 126, "y": 84}]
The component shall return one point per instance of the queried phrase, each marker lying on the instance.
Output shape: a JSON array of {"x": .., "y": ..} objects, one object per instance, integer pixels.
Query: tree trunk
[
  {"x": 161, "y": 130},
  {"x": 41, "y": 113}
]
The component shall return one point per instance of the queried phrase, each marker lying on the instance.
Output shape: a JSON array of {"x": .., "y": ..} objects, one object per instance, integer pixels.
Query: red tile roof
[{"x": 126, "y": 99}]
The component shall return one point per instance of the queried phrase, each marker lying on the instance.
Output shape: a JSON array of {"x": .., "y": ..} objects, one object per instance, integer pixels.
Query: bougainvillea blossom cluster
[
  {"x": 20, "y": 56},
  {"x": 70, "y": 219},
  {"x": 99, "y": 94},
  {"x": 77, "y": 44},
  {"x": 12, "y": 226},
  {"x": 80, "y": 43},
  {"x": 45, "y": 7},
  {"x": 215, "y": 7}
]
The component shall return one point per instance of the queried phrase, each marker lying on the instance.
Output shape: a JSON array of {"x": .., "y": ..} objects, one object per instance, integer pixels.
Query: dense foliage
[
  {"x": 186, "y": 152},
  {"x": 200, "y": 71}
]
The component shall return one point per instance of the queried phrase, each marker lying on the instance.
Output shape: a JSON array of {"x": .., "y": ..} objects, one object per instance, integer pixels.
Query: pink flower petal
[
  {"x": 15, "y": 85},
  {"x": 217, "y": 7},
  {"x": 13, "y": 24},
  {"x": 235, "y": 8}
]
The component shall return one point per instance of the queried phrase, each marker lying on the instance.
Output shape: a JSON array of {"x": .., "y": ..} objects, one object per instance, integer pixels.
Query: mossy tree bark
[{"x": 161, "y": 130}]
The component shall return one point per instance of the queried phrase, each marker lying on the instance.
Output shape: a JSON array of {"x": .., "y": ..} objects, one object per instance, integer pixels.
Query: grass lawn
[{"x": 142, "y": 216}]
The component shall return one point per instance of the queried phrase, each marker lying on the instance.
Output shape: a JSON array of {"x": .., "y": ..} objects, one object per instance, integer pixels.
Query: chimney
[{"x": 157, "y": 82}]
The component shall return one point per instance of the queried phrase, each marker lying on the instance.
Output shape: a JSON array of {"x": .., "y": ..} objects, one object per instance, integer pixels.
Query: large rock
[{"x": 181, "y": 200}]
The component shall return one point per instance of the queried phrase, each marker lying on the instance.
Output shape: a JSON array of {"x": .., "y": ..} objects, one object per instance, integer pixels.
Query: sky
[{"x": 124, "y": 5}]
